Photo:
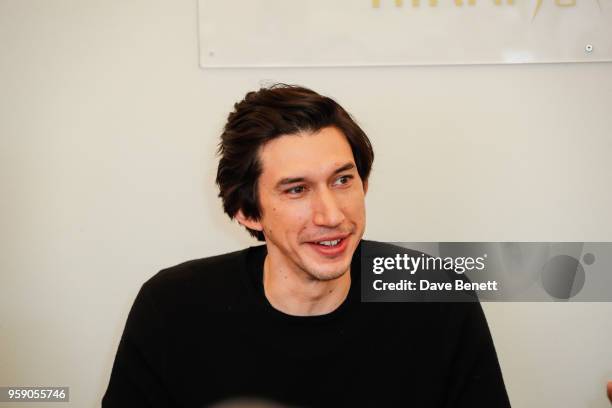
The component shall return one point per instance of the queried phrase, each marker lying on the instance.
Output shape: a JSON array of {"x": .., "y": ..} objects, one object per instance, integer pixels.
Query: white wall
[{"x": 107, "y": 137}]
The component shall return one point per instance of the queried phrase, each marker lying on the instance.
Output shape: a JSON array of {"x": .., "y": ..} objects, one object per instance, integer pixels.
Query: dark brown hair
[{"x": 265, "y": 115}]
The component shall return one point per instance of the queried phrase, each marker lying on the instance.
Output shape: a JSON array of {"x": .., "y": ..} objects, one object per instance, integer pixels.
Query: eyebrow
[{"x": 291, "y": 180}]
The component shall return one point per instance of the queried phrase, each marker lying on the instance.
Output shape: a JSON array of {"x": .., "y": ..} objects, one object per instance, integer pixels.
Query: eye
[
  {"x": 295, "y": 190},
  {"x": 343, "y": 180}
]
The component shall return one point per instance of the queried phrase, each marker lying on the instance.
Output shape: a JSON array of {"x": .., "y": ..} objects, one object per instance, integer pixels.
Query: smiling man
[
  {"x": 313, "y": 220},
  {"x": 283, "y": 322}
]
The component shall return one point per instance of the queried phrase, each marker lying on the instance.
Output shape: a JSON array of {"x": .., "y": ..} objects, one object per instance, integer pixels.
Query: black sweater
[{"x": 203, "y": 332}]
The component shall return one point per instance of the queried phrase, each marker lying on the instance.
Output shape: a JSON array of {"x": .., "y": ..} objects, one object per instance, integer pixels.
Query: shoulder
[
  {"x": 201, "y": 268},
  {"x": 199, "y": 279},
  {"x": 370, "y": 250},
  {"x": 377, "y": 248}
]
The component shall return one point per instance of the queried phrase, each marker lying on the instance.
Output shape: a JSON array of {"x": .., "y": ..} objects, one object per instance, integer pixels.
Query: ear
[{"x": 248, "y": 222}]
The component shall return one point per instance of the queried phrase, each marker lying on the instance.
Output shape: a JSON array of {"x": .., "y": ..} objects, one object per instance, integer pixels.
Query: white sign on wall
[{"x": 280, "y": 33}]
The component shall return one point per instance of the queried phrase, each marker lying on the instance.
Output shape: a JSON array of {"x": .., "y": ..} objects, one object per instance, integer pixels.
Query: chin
[{"x": 329, "y": 274}]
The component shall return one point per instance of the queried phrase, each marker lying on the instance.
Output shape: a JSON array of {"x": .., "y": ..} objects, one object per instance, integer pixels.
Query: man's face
[{"x": 312, "y": 202}]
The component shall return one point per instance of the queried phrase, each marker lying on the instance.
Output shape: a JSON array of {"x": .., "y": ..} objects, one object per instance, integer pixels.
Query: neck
[{"x": 299, "y": 294}]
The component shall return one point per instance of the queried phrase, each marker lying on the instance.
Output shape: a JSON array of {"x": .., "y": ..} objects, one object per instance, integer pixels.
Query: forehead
[{"x": 307, "y": 154}]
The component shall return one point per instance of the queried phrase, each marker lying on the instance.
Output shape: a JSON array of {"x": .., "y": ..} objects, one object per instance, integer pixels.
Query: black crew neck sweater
[{"x": 203, "y": 333}]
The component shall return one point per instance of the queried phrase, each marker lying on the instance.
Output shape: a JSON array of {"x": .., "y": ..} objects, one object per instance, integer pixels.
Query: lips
[
  {"x": 330, "y": 246},
  {"x": 329, "y": 238}
]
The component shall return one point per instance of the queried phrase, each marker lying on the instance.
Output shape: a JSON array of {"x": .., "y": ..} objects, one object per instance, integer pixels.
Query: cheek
[
  {"x": 354, "y": 205},
  {"x": 299, "y": 221},
  {"x": 287, "y": 220}
]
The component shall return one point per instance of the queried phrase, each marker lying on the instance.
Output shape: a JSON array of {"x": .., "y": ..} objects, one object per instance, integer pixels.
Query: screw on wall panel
[
  {"x": 588, "y": 48},
  {"x": 211, "y": 53}
]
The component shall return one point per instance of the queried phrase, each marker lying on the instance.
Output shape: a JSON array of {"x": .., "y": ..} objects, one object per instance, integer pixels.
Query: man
[{"x": 283, "y": 322}]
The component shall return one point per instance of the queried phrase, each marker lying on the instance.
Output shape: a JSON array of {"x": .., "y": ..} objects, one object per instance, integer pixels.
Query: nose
[{"x": 326, "y": 210}]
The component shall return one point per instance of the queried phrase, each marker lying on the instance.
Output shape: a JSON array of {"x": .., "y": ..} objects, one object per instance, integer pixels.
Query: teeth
[{"x": 329, "y": 243}]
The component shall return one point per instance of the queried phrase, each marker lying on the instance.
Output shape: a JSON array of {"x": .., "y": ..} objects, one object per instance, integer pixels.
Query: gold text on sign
[
  {"x": 560, "y": 3},
  {"x": 434, "y": 3}
]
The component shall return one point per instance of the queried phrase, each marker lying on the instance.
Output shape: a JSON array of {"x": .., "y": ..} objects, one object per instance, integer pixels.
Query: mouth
[{"x": 330, "y": 246}]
